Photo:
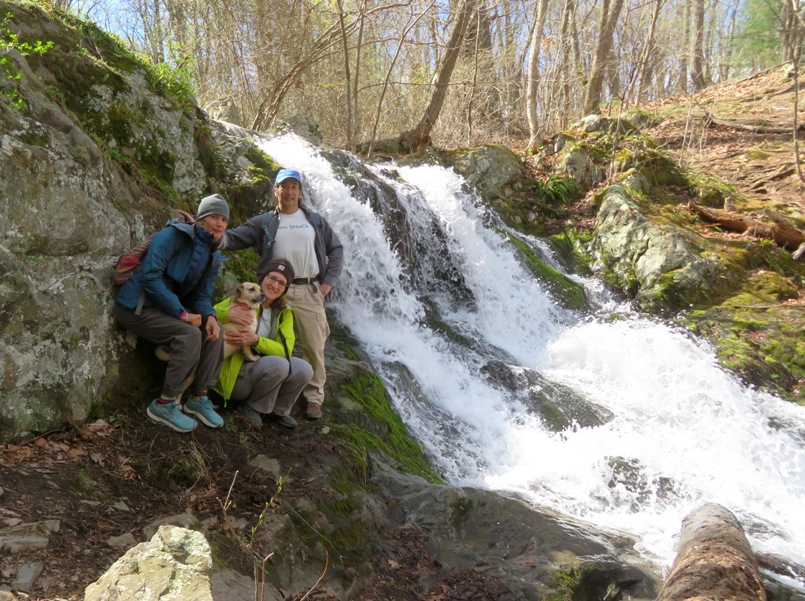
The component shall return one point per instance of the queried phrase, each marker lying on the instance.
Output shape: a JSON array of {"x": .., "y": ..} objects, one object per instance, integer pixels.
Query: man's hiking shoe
[
  {"x": 170, "y": 416},
  {"x": 283, "y": 420},
  {"x": 313, "y": 411},
  {"x": 254, "y": 417},
  {"x": 202, "y": 408}
]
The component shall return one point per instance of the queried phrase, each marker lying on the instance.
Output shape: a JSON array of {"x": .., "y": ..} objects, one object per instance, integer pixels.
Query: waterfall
[{"x": 451, "y": 318}]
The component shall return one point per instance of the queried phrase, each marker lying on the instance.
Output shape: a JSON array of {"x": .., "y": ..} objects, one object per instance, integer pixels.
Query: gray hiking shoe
[
  {"x": 283, "y": 420},
  {"x": 202, "y": 408},
  {"x": 254, "y": 417},
  {"x": 170, "y": 416}
]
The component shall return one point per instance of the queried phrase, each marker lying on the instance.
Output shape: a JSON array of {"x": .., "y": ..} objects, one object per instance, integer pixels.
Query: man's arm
[
  {"x": 335, "y": 255},
  {"x": 248, "y": 235}
]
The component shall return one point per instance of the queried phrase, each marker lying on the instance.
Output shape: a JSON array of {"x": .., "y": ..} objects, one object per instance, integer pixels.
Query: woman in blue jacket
[{"x": 169, "y": 302}]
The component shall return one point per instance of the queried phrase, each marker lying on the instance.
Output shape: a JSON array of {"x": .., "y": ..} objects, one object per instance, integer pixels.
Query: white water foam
[{"x": 684, "y": 432}]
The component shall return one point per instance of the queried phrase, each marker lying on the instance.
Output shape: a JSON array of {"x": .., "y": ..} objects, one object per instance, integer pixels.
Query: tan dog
[{"x": 249, "y": 296}]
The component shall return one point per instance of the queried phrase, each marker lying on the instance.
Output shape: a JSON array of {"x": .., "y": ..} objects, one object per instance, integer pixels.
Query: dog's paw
[
  {"x": 249, "y": 355},
  {"x": 162, "y": 353}
]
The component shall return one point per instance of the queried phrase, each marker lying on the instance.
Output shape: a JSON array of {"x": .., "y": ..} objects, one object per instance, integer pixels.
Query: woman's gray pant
[
  {"x": 195, "y": 361},
  {"x": 267, "y": 386}
]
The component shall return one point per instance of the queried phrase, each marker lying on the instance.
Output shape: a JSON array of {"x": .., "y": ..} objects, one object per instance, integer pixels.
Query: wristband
[{"x": 183, "y": 315}]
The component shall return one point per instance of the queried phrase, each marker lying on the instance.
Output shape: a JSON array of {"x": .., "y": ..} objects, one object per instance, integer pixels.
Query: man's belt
[{"x": 302, "y": 281}]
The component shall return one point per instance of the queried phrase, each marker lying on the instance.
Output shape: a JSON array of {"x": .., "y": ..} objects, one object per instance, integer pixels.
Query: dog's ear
[{"x": 236, "y": 294}]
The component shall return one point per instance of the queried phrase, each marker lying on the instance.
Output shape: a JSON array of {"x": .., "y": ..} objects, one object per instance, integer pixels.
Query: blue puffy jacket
[{"x": 164, "y": 269}]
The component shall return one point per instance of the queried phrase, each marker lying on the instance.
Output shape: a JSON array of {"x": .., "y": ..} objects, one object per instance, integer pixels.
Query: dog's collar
[{"x": 241, "y": 304}]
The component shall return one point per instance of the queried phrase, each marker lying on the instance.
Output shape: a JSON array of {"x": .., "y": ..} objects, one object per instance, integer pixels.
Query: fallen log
[
  {"x": 714, "y": 560},
  {"x": 784, "y": 234}
]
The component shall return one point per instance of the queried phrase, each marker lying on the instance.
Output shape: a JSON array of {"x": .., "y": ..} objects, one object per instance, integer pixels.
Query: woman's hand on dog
[
  {"x": 243, "y": 337},
  {"x": 240, "y": 316},
  {"x": 212, "y": 327}
]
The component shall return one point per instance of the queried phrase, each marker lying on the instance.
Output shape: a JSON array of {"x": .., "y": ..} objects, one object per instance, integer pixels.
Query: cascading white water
[{"x": 686, "y": 431}]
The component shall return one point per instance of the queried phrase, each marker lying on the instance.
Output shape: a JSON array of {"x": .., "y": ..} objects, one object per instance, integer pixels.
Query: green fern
[{"x": 560, "y": 189}]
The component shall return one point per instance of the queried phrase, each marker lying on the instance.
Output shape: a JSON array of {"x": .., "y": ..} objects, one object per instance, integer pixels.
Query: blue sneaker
[
  {"x": 202, "y": 408},
  {"x": 170, "y": 416}
]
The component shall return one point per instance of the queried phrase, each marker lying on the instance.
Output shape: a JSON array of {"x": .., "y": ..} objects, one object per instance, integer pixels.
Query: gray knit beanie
[{"x": 212, "y": 205}]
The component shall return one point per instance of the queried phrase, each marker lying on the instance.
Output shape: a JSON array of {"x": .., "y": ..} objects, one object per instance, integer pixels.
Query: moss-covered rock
[
  {"x": 566, "y": 292},
  {"x": 377, "y": 426}
]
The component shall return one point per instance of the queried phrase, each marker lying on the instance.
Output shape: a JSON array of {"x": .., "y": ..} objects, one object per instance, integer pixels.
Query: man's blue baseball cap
[{"x": 284, "y": 174}]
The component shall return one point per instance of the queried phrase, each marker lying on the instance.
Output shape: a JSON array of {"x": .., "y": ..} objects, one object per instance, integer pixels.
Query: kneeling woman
[
  {"x": 169, "y": 302},
  {"x": 270, "y": 385}
]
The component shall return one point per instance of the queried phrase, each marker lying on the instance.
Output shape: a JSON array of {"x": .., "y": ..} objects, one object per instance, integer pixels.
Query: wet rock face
[
  {"x": 558, "y": 406},
  {"x": 534, "y": 554}
]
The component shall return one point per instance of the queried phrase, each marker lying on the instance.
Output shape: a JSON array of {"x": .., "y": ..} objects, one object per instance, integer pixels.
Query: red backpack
[{"x": 129, "y": 262}]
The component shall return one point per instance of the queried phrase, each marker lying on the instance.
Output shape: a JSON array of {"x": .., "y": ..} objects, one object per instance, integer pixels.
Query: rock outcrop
[
  {"x": 652, "y": 264},
  {"x": 175, "y": 564}
]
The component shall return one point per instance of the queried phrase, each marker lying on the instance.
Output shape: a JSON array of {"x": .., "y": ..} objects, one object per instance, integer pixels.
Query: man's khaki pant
[{"x": 310, "y": 322}]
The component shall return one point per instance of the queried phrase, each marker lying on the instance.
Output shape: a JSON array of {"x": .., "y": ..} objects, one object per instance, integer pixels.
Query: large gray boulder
[
  {"x": 493, "y": 170},
  {"x": 60, "y": 233},
  {"x": 650, "y": 262},
  {"x": 581, "y": 168}
]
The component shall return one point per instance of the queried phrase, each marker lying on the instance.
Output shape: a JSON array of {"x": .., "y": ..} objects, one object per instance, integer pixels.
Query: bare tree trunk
[
  {"x": 347, "y": 78},
  {"x": 609, "y": 19},
  {"x": 358, "y": 51},
  {"x": 565, "y": 60},
  {"x": 683, "y": 59},
  {"x": 477, "y": 58},
  {"x": 648, "y": 49},
  {"x": 151, "y": 19},
  {"x": 724, "y": 67},
  {"x": 389, "y": 72},
  {"x": 613, "y": 74},
  {"x": 798, "y": 33},
  {"x": 697, "y": 46},
  {"x": 420, "y": 135},
  {"x": 532, "y": 84}
]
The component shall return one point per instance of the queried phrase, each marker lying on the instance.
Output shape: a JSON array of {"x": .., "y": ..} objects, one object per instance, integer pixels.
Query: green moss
[
  {"x": 763, "y": 345},
  {"x": 568, "y": 293},
  {"x": 565, "y": 584},
  {"x": 712, "y": 191},
  {"x": 434, "y": 321},
  {"x": 263, "y": 166},
  {"x": 570, "y": 248},
  {"x": 394, "y": 440},
  {"x": 87, "y": 486},
  {"x": 348, "y": 351}
]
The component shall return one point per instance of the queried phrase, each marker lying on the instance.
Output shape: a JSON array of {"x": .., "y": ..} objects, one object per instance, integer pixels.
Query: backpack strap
[
  {"x": 140, "y": 303},
  {"x": 267, "y": 230}
]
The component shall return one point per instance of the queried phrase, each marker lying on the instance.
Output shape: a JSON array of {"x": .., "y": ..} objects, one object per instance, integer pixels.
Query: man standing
[{"x": 303, "y": 237}]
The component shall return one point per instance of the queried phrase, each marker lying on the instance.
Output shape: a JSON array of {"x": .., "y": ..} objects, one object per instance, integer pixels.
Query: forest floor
[
  {"x": 104, "y": 479},
  {"x": 739, "y": 131},
  {"x": 743, "y": 133}
]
